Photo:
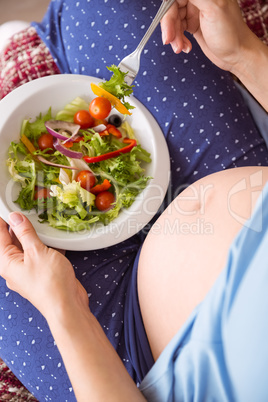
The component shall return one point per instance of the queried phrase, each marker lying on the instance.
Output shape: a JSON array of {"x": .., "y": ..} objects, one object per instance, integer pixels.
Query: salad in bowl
[
  {"x": 85, "y": 171},
  {"x": 82, "y": 165}
]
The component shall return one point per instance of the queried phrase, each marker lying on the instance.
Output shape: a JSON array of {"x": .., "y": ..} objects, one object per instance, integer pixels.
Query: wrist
[
  {"x": 246, "y": 56},
  {"x": 65, "y": 316},
  {"x": 251, "y": 69}
]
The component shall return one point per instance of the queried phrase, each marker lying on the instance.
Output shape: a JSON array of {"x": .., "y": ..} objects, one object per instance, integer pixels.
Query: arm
[
  {"x": 224, "y": 37},
  {"x": 36, "y": 272},
  {"x": 93, "y": 365}
]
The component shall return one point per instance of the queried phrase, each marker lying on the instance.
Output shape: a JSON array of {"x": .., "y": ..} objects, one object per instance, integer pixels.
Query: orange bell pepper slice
[
  {"x": 98, "y": 91},
  {"x": 25, "y": 140}
]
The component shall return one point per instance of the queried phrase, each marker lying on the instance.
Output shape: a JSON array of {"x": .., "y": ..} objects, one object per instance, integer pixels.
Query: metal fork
[{"x": 131, "y": 63}]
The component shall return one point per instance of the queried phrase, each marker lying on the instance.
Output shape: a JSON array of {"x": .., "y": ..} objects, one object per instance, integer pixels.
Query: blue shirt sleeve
[
  {"x": 245, "y": 325},
  {"x": 50, "y": 30}
]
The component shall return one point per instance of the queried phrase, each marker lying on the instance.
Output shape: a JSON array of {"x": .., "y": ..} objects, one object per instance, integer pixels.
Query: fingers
[
  {"x": 19, "y": 244},
  {"x": 173, "y": 25},
  {"x": 170, "y": 25},
  {"x": 24, "y": 231},
  {"x": 9, "y": 253}
]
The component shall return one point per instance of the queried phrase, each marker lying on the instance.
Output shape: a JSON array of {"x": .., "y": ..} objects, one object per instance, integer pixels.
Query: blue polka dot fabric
[{"x": 207, "y": 127}]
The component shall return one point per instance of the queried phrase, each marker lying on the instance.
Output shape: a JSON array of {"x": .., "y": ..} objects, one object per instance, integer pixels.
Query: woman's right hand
[
  {"x": 217, "y": 25},
  {"x": 38, "y": 273}
]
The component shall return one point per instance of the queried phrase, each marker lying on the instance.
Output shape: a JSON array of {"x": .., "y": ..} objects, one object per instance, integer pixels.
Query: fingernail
[
  {"x": 186, "y": 49},
  {"x": 175, "y": 48},
  {"x": 15, "y": 219}
]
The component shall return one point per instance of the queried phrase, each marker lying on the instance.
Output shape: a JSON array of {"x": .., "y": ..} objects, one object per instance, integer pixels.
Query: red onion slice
[
  {"x": 44, "y": 160},
  {"x": 66, "y": 151},
  {"x": 53, "y": 125}
]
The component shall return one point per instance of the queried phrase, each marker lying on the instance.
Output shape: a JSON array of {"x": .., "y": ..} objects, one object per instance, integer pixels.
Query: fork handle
[{"x": 166, "y": 4}]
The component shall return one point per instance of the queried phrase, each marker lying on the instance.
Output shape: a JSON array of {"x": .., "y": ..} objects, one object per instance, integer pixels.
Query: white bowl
[{"x": 35, "y": 97}]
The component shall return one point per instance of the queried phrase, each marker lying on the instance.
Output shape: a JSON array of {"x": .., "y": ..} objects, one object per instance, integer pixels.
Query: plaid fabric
[
  {"x": 25, "y": 58},
  {"x": 255, "y": 14}
]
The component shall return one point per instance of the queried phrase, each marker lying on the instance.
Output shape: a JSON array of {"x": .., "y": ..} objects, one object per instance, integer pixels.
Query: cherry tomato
[
  {"x": 46, "y": 141},
  {"x": 84, "y": 119},
  {"x": 41, "y": 193},
  {"x": 86, "y": 179},
  {"x": 100, "y": 108},
  {"x": 104, "y": 200}
]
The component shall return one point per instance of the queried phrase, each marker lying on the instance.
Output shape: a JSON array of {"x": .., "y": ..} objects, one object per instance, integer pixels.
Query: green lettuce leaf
[
  {"x": 129, "y": 193},
  {"x": 32, "y": 130},
  {"x": 24, "y": 173},
  {"x": 117, "y": 85},
  {"x": 73, "y": 196},
  {"x": 70, "y": 223},
  {"x": 69, "y": 110}
]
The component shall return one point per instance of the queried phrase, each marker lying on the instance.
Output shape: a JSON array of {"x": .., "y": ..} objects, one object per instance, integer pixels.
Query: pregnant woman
[{"x": 176, "y": 315}]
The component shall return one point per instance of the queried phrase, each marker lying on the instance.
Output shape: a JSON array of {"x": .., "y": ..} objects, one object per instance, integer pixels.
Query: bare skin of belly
[{"x": 187, "y": 248}]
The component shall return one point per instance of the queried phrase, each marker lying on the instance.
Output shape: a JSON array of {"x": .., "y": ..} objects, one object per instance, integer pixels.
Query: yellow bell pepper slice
[
  {"x": 98, "y": 91},
  {"x": 28, "y": 144}
]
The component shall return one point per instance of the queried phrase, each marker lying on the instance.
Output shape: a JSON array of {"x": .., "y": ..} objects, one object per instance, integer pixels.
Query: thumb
[{"x": 24, "y": 231}]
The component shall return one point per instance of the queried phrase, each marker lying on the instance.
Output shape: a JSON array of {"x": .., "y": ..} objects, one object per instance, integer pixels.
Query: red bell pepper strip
[
  {"x": 69, "y": 144},
  {"x": 93, "y": 159},
  {"x": 104, "y": 132},
  {"x": 101, "y": 187},
  {"x": 111, "y": 129},
  {"x": 78, "y": 139}
]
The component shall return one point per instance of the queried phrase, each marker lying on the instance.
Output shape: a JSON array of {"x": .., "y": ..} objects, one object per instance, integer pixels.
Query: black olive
[{"x": 115, "y": 120}]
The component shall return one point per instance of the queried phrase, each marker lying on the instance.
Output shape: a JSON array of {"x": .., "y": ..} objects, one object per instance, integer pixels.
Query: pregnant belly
[{"x": 187, "y": 248}]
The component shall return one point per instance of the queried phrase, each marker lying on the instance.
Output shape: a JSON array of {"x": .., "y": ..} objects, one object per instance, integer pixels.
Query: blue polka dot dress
[{"x": 207, "y": 128}]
